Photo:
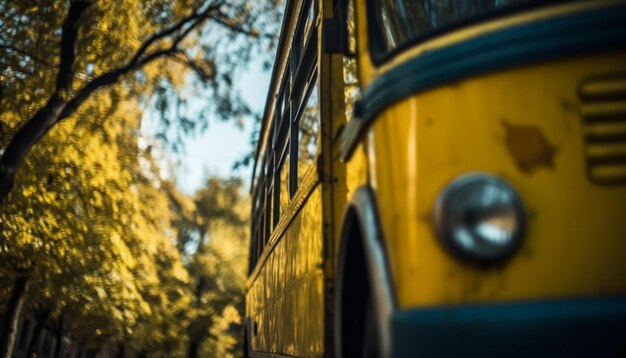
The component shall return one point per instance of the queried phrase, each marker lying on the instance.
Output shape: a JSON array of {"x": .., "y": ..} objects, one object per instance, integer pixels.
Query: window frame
[
  {"x": 309, "y": 86},
  {"x": 380, "y": 56},
  {"x": 291, "y": 95},
  {"x": 282, "y": 139}
]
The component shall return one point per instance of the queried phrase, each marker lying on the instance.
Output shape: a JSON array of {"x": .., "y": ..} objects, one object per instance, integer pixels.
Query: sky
[{"x": 214, "y": 152}]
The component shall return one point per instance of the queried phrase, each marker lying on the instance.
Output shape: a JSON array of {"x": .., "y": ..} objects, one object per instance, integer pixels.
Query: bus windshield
[{"x": 398, "y": 22}]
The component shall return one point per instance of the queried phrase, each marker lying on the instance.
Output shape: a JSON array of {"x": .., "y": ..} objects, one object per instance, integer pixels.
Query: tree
[
  {"x": 161, "y": 276},
  {"x": 85, "y": 225},
  {"x": 98, "y": 243},
  {"x": 214, "y": 241},
  {"x": 75, "y": 48},
  {"x": 69, "y": 228}
]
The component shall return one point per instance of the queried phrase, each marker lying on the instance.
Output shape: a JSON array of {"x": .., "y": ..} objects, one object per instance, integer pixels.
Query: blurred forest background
[{"x": 100, "y": 253}]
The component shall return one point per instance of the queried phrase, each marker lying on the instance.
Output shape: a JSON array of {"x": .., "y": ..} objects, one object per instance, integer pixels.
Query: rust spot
[{"x": 529, "y": 147}]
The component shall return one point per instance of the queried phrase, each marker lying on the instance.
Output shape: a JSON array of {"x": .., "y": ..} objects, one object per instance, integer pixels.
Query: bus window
[
  {"x": 281, "y": 153},
  {"x": 253, "y": 240},
  {"x": 309, "y": 19},
  {"x": 283, "y": 171},
  {"x": 260, "y": 210},
  {"x": 268, "y": 215},
  {"x": 308, "y": 131},
  {"x": 399, "y": 21},
  {"x": 269, "y": 198},
  {"x": 350, "y": 76},
  {"x": 275, "y": 198}
]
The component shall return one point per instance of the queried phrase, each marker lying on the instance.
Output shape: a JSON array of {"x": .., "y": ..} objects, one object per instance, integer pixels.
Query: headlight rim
[{"x": 443, "y": 230}]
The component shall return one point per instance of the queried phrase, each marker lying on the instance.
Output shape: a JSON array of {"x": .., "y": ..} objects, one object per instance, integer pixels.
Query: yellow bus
[{"x": 442, "y": 178}]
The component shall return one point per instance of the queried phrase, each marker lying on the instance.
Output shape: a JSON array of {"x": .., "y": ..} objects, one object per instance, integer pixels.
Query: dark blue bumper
[{"x": 580, "y": 328}]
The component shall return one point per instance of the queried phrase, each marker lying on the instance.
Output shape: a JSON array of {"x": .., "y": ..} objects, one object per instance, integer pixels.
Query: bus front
[{"x": 494, "y": 137}]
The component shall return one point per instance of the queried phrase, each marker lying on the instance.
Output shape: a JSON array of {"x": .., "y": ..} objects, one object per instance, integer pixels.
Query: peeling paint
[{"x": 529, "y": 147}]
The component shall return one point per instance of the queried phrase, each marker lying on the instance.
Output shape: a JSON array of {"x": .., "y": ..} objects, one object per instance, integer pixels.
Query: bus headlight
[{"x": 480, "y": 217}]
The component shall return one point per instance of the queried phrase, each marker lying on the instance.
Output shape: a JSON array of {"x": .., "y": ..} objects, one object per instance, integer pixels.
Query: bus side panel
[{"x": 286, "y": 300}]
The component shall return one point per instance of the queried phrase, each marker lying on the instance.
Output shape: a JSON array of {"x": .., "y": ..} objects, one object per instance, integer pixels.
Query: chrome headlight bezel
[{"x": 448, "y": 217}]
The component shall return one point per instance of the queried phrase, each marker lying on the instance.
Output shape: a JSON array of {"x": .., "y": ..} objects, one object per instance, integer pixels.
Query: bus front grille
[{"x": 604, "y": 123}]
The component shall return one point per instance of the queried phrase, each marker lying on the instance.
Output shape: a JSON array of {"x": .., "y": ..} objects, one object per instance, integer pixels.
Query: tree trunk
[
  {"x": 81, "y": 349},
  {"x": 12, "y": 315},
  {"x": 23, "y": 140},
  {"x": 193, "y": 349},
  {"x": 41, "y": 316},
  {"x": 34, "y": 340},
  {"x": 121, "y": 350},
  {"x": 59, "y": 345},
  {"x": 55, "y": 108},
  {"x": 58, "y": 334}
]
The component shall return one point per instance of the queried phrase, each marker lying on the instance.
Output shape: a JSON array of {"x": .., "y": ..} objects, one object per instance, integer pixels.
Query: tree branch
[
  {"x": 68, "y": 44},
  {"x": 58, "y": 107},
  {"x": 186, "y": 61},
  {"x": 25, "y": 53},
  {"x": 138, "y": 61},
  {"x": 225, "y": 21},
  {"x": 197, "y": 15},
  {"x": 11, "y": 67}
]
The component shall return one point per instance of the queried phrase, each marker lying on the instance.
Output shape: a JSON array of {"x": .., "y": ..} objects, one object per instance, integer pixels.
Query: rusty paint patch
[{"x": 529, "y": 147}]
